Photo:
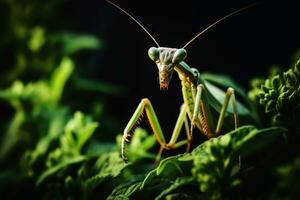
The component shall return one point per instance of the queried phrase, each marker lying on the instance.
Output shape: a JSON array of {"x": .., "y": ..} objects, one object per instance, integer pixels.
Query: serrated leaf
[
  {"x": 213, "y": 163},
  {"x": 108, "y": 165},
  {"x": 41, "y": 97},
  {"x": 212, "y": 169},
  {"x": 124, "y": 191},
  {"x": 76, "y": 133},
  {"x": 257, "y": 139},
  {"x": 53, "y": 170},
  {"x": 167, "y": 164},
  {"x": 167, "y": 168},
  {"x": 56, "y": 125},
  {"x": 179, "y": 182}
]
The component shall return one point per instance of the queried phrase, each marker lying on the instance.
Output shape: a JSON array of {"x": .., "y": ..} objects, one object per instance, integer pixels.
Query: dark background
[{"x": 242, "y": 46}]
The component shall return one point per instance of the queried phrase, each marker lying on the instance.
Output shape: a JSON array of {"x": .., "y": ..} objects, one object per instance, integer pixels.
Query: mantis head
[{"x": 166, "y": 59}]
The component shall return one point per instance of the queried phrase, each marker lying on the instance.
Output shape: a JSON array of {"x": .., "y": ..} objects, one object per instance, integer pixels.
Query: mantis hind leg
[
  {"x": 228, "y": 96},
  {"x": 145, "y": 105}
]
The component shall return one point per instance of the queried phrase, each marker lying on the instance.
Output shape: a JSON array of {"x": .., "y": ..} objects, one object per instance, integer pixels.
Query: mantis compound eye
[
  {"x": 153, "y": 53},
  {"x": 179, "y": 56}
]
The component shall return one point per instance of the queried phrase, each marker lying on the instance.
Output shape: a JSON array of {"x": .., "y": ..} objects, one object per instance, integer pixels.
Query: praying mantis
[{"x": 201, "y": 99}]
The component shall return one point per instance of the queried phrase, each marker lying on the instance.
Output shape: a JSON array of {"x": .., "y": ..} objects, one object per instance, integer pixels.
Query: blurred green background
[{"x": 58, "y": 57}]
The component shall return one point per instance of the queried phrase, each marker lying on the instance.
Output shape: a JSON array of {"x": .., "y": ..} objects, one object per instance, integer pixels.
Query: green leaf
[
  {"x": 257, "y": 139},
  {"x": 100, "y": 86},
  {"x": 179, "y": 182},
  {"x": 288, "y": 183},
  {"x": 279, "y": 96},
  {"x": 54, "y": 170},
  {"x": 35, "y": 101},
  {"x": 96, "y": 148},
  {"x": 59, "y": 78},
  {"x": 57, "y": 123},
  {"x": 225, "y": 82},
  {"x": 219, "y": 94},
  {"x": 77, "y": 132},
  {"x": 125, "y": 190},
  {"x": 73, "y": 43},
  {"x": 168, "y": 168},
  {"x": 37, "y": 39},
  {"x": 43, "y": 92},
  {"x": 215, "y": 161},
  {"x": 12, "y": 135},
  {"x": 183, "y": 195},
  {"x": 108, "y": 165},
  {"x": 213, "y": 164}
]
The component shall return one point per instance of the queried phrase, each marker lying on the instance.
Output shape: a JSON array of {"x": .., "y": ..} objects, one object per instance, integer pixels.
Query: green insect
[{"x": 202, "y": 100}]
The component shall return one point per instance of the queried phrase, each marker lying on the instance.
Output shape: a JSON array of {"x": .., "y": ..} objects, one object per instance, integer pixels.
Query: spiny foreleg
[{"x": 146, "y": 106}]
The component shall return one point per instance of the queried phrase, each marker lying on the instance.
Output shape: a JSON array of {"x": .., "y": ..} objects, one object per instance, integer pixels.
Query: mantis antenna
[
  {"x": 216, "y": 22},
  {"x": 136, "y": 21}
]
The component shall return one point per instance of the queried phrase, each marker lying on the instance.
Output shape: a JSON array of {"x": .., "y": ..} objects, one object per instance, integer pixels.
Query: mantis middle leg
[{"x": 199, "y": 113}]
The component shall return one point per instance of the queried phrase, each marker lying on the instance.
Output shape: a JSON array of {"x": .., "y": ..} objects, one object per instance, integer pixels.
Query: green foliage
[
  {"x": 288, "y": 181},
  {"x": 33, "y": 43},
  {"x": 41, "y": 93},
  {"x": 225, "y": 81},
  {"x": 212, "y": 169},
  {"x": 77, "y": 132},
  {"x": 82, "y": 170},
  {"x": 222, "y": 81},
  {"x": 54, "y": 170},
  {"x": 217, "y": 85},
  {"x": 125, "y": 190},
  {"x": 39, "y": 141},
  {"x": 107, "y": 166},
  {"x": 280, "y": 97},
  {"x": 72, "y": 43},
  {"x": 49, "y": 150},
  {"x": 219, "y": 161},
  {"x": 33, "y": 100}
]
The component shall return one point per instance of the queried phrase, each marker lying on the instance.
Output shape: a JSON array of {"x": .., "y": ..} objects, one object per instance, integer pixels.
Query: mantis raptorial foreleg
[
  {"x": 198, "y": 104},
  {"x": 145, "y": 105}
]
